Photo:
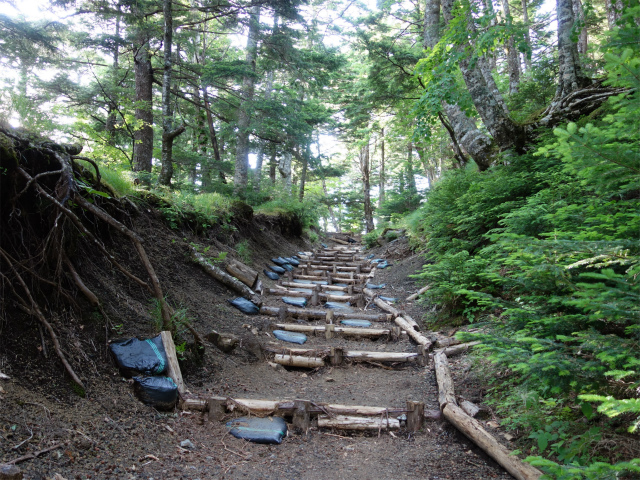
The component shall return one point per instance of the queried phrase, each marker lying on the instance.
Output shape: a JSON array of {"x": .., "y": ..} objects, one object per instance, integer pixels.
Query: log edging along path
[{"x": 325, "y": 262}]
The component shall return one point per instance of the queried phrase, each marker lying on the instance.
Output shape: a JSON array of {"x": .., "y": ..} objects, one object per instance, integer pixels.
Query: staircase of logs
[{"x": 340, "y": 274}]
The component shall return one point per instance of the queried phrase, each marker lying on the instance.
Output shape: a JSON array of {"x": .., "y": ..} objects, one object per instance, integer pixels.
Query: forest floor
[{"x": 110, "y": 434}]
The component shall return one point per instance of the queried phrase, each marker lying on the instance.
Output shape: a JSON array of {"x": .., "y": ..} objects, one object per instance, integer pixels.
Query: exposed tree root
[{"x": 45, "y": 216}]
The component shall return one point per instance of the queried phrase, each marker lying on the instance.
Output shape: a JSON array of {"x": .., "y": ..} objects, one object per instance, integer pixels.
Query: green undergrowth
[{"x": 544, "y": 253}]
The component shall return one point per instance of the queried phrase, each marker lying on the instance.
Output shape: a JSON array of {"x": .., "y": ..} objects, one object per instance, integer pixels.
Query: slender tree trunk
[
  {"x": 110, "y": 126},
  {"x": 214, "y": 139},
  {"x": 431, "y": 34},
  {"x": 273, "y": 166},
  {"x": 143, "y": 136},
  {"x": 527, "y": 35},
  {"x": 614, "y": 12},
  {"x": 303, "y": 175},
  {"x": 268, "y": 88},
  {"x": 240, "y": 176},
  {"x": 491, "y": 56},
  {"x": 513, "y": 59},
  {"x": 571, "y": 77},
  {"x": 583, "y": 37},
  {"x": 168, "y": 133},
  {"x": 411, "y": 177},
  {"x": 381, "y": 195},
  {"x": 366, "y": 187},
  {"x": 284, "y": 167}
]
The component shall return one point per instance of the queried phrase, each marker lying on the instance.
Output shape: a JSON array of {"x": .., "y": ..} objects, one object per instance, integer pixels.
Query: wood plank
[{"x": 343, "y": 422}]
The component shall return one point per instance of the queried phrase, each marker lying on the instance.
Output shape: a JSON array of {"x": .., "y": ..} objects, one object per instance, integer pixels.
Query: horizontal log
[
  {"x": 416, "y": 336},
  {"x": 447, "y": 342},
  {"x": 381, "y": 356},
  {"x": 312, "y": 313},
  {"x": 337, "y": 240},
  {"x": 298, "y": 361},
  {"x": 411, "y": 298},
  {"x": 362, "y": 332},
  {"x": 342, "y": 422},
  {"x": 470, "y": 408},
  {"x": 458, "y": 349}
]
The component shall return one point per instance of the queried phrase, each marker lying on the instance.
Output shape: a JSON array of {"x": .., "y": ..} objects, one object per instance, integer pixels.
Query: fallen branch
[
  {"x": 411, "y": 298},
  {"x": 37, "y": 454}
]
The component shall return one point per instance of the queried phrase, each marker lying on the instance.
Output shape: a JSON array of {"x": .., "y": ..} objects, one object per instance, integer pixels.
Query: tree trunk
[
  {"x": 366, "y": 187},
  {"x": 487, "y": 100},
  {"x": 284, "y": 167},
  {"x": 411, "y": 177},
  {"x": 214, "y": 143},
  {"x": 527, "y": 35},
  {"x": 168, "y": 133},
  {"x": 570, "y": 75},
  {"x": 460, "y": 127},
  {"x": 513, "y": 59},
  {"x": 244, "y": 117},
  {"x": 614, "y": 12},
  {"x": 583, "y": 37},
  {"x": 303, "y": 175},
  {"x": 112, "y": 108},
  {"x": 382, "y": 171},
  {"x": 273, "y": 166},
  {"x": 268, "y": 88},
  {"x": 143, "y": 136}
]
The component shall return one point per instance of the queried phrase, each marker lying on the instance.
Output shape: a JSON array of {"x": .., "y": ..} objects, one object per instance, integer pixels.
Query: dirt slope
[{"x": 110, "y": 434}]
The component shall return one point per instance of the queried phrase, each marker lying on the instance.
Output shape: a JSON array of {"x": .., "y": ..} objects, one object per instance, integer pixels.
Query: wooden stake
[
  {"x": 337, "y": 355},
  {"x": 329, "y": 317},
  {"x": 415, "y": 415},
  {"x": 301, "y": 416},
  {"x": 173, "y": 368},
  {"x": 216, "y": 408},
  {"x": 329, "y": 330}
]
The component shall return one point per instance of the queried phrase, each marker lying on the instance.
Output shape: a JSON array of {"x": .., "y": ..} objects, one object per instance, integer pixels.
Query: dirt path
[{"x": 113, "y": 435}]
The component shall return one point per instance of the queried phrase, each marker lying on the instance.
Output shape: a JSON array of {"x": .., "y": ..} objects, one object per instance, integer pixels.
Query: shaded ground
[{"x": 110, "y": 434}]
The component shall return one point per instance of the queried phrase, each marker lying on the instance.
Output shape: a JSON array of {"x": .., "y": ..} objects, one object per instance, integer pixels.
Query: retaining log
[
  {"x": 173, "y": 367},
  {"x": 225, "y": 278},
  {"x": 299, "y": 361},
  {"x": 342, "y": 422},
  {"x": 246, "y": 275},
  {"x": 411, "y": 298}
]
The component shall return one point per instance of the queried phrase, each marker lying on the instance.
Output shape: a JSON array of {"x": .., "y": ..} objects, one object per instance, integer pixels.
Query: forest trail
[{"x": 112, "y": 435}]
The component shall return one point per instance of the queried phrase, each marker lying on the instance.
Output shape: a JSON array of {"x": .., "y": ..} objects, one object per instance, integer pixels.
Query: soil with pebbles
[{"x": 109, "y": 434}]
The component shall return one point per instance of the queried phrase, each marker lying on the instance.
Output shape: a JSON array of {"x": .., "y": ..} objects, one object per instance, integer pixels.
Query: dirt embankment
[{"x": 110, "y": 434}]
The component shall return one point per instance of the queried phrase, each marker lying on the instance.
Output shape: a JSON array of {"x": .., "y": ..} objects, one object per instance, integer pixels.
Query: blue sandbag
[
  {"x": 319, "y": 282},
  {"x": 337, "y": 305},
  {"x": 337, "y": 294},
  {"x": 278, "y": 261},
  {"x": 377, "y": 260},
  {"x": 159, "y": 392},
  {"x": 259, "y": 430},
  {"x": 245, "y": 306},
  {"x": 369, "y": 257},
  {"x": 277, "y": 269},
  {"x": 292, "y": 337},
  {"x": 135, "y": 356},
  {"x": 356, "y": 323},
  {"x": 271, "y": 275},
  {"x": 340, "y": 284},
  {"x": 324, "y": 245},
  {"x": 287, "y": 266},
  {"x": 295, "y": 257},
  {"x": 372, "y": 286},
  {"x": 388, "y": 299},
  {"x": 297, "y": 280},
  {"x": 303, "y": 290},
  {"x": 292, "y": 261},
  {"x": 295, "y": 301},
  {"x": 384, "y": 264},
  {"x": 302, "y": 253}
]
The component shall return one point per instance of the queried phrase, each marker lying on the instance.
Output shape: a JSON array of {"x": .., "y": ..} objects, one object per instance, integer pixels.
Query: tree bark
[
  {"x": 583, "y": 36},
  {"x": 303, "y": 175},
  {"x": 240, "y": 176},
  {"x": 527, "y": 35},
  {"x": 110, "y": 126},
  {"x": 614, "y": 12},
  {"x": 571, "y": 77},
  {"x": 513, "y": 59},
  {"x": 214, "y": 143},
  {"x": 381, "y": 196},
  {"x": 168, "y": 132},
  {"x": 284, "y": 167},
  {"x": 143, "y": 136},
  {"x": 363, "y": 158}
]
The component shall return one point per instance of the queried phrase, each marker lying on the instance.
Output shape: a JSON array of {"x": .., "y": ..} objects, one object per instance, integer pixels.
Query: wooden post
[
  {"x": 423, "y": 359},
  {"x": 314, "y": 296},
  {"x": 329, "y": 317},
  {"x": 415, "y": 415},
  {"x": 337, "y": 355},
  {"x": 216, "y": 409},
  {"x": 329, "y": 279},
  {"x": 350, "y": 289},
  {"x": 301, "y": 416},
  {"x": 289, "y": 275},
  {"x": 282, "y": 314},
  {"x": 329, "y": 331},
  {"x": 396, "y": 332},
  {"x": 173, "y": 368}
]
